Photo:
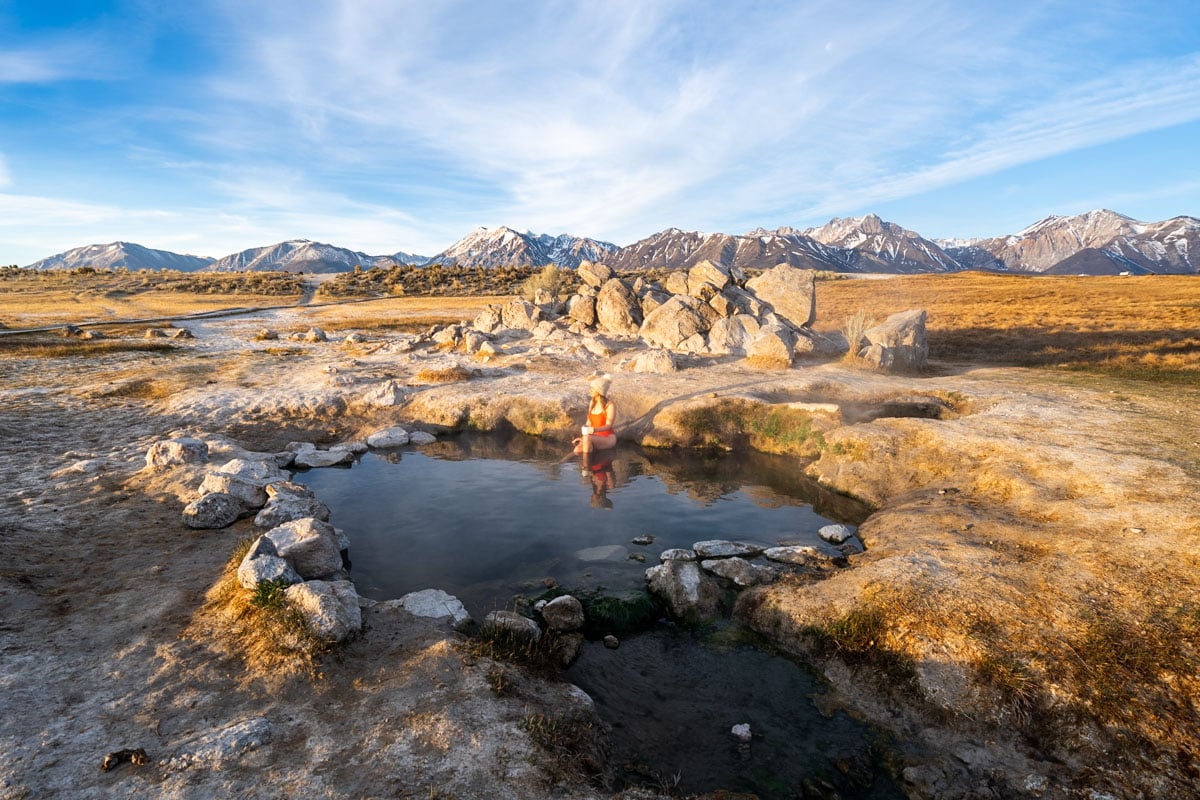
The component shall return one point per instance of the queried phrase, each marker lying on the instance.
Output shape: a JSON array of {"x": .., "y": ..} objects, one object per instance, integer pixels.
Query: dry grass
[
  {"x": 455, "y": 374},
  {"x": 1135, "y": 327}
]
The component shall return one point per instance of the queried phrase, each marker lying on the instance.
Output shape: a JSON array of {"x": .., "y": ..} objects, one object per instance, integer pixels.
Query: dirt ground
[{"x": 1025, "y": 617}]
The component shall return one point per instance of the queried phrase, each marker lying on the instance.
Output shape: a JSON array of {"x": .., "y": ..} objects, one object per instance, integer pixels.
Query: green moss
[{"x": 731, "y": 424}]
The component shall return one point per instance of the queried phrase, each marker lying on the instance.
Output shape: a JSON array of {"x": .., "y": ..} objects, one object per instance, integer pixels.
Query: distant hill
[
  {"x": 122, "y": 254},
  {"x": 759, "y": 249},
  {"x": 496, "y": 247},
  {"x": 302, "y": 255},
  {"x": 873, "y": 245}
]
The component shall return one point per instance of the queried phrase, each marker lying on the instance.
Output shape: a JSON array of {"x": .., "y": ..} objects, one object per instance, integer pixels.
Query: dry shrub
[
  {"x": 855, "y": 329},
  {"x": 454, "y": 374}
]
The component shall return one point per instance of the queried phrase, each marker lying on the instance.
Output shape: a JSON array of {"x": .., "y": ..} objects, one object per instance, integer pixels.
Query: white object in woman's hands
[{"x": 587, "y": 430}]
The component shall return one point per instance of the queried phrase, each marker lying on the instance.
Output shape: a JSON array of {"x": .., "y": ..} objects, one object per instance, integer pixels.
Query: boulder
[
  {"x": 315, "y": 335},
  {"x": 687, "y": 591},
  {"x": 520, "y": 314},
  {"x": 656, "y": 361},
  {"x": 650, "y": 300},
  {"x": 265, "y": 335},
  {"x": 311, "y": 546},
  {"x": 213, "y": 510},
  {"x": 836, "y": 534},
  {"x": 311, "y": 457},
  {"x": 677, "y": 554},
  {"x": 330, "y": 608},
  {"x": 593, "y": 274},
  {"x": 898, "y": 343},
  {"x": 421, "y": 438},
  {"x": 732, "y": 335},
  {"x": 675, "y": 321},
  {"x": 772, "y": 347},
  {"x": 743, "y": 301},
  {"x": 723, "y": 548},
  {"x": 489, "y": 320},
  {"x": 245, "y": 480},
  {"x": 513, "y": 624},
  {"x": 709, "y": 273},
  {"x": 287, "y": 507},
  {"x": 790, "y": 292},
  {"x": 806, "y": 555},
  {"x": 582, "y": 309},
  {"x": 740, "y": 571},
  {"x": 435, "y": 604},
  {"x": 617, "y": 309},
  {"x": 179, "y": 450},
  {"x": 448, "y": 337},
  {"x": 676, "y": 282},
  {"x": 388, "y": 437},
  {"x": 253, "y": 571},
  {"x": 563, "y": 614},
  {"x": 472, "y": 341}
]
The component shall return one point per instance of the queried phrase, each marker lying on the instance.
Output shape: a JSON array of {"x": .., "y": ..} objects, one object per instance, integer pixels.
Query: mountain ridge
[{"x": 1095, "y": 242}]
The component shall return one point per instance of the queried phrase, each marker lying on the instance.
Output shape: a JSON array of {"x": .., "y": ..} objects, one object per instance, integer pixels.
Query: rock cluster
[{"x": 899, "y": 343}]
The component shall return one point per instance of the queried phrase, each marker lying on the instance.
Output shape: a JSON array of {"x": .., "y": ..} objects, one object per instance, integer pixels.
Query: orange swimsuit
[{"x": 598, "y": 420}]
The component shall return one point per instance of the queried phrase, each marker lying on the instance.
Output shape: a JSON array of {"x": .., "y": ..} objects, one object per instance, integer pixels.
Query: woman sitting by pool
[{"x": 597, "y": 433}]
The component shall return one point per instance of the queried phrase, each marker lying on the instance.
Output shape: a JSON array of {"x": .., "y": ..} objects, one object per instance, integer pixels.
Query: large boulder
[
  {"x": 686, "y": 589},
  {"x": 676, "y": 282},
  {"x": 253, "y": 571},
  {"x": 311, "y": 546},
  {"x": 740, "y": 571},
  {"x": 563, "y": 614},
  {"x": 489, "y": 320},
  {"x": 213, "y": 510},
  {"x": 675, "y": 321},
  {"x": 707, "y": 272},
  {"x": 593, "y": 274},
  {"x": 244, "y": 479},
  {"x": 898, "y": 343},
  {"x": 617, "y": 308},
  {"x": 791, "y": 293},
  {"x": 582, "y": 309},
  {"x": 772, "y": 347},
  {"x": 288, "y": 502},
  {"x": 179, "y": 450},
  {"x": 330, "y": 608},
  {"x": 656, "y": 361},
  {"x": 732, "y": 335},
  {"x": 510, "y": 623},
  {"x": 520, "y": 314}
]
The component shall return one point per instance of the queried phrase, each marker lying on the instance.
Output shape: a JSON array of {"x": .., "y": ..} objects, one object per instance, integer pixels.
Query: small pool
[{"x": 486, "y": 518}]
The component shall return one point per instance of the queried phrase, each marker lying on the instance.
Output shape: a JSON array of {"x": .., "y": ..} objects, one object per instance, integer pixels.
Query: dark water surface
[{"x": 489, "y": 517}]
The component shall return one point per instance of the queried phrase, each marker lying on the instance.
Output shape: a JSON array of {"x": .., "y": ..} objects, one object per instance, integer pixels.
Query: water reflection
[{"x": 600, "y": 475}]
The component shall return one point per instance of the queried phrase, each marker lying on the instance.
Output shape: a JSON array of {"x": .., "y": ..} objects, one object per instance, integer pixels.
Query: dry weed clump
[
  {"x": 730, "y": 424},
  {"x": 454, "y": 374},
  {"x": 270, "y": 636}
]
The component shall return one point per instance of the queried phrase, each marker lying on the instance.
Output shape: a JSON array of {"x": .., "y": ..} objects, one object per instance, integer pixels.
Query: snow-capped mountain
[
  {"x": 122, "y": 254},
  {"x": 297, "y": 255},
  {"x": 759, "y": 249},
  {"x": 874, "y": 245},
  {"x": 503, "y": 246},
  {"x": 1098, "y": 242}
]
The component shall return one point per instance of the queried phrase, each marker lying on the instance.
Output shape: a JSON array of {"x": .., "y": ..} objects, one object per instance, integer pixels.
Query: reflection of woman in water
[
  {"x": 597, "y": 433},
  {"x": 601, "y": 474}
]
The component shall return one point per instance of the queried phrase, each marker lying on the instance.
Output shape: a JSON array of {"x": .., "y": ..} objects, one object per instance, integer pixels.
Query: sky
[{"x": 385, "y": 126}]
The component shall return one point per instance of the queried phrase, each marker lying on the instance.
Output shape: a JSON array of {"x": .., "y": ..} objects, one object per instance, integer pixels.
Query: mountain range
[{"x": 1096, "y": 243}]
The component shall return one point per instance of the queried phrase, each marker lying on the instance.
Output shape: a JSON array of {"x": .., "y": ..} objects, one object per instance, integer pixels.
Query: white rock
[
  {"x": 213, "y": 510},
  {"x": 181, "y": 450},
  {"x": 808, "y": 555},
  {"x": 323, "y": 458},
  {"x": 721, "y": 548},
  {"x": 686, "y": 590},
  {"x": 330, "y": 608},
  {"x": 309, "y": 545},
  {"x": 836, "y": 534},
  {"x": 740, "y": 571},
  {"x": 252, "y": 571},
  {"x": 283, "y": 508},
  {"x": 216, "y": 749},
  {"x": 436, "y": 604},
  {"x": 563, "y": 614},
  {"x": 385, "y": 395},
  {"x": 742, "y": 733},
  {"x": 388, "y": 437},
  {"x": 421, "y": 438},
  {"x": 677, "y": 554}
]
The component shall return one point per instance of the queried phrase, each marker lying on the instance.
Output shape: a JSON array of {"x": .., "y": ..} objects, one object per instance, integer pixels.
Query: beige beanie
[{"x": 601, "y": 384}]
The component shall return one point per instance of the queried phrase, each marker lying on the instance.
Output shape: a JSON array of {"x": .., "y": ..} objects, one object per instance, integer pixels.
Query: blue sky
[{"x": 212, "y": 126}]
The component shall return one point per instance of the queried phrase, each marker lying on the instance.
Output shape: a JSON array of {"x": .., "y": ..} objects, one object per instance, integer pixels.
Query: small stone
[
  {"x": 612, "y": 642},
  {"x": 836, "y": 534},
  {"x": 742, "y": 733},
  {"x": 421, "y": 437},
  {"x": 638, "y": 557},
  {"x": 720, "y": 548},
  {"x": 646, "y": 539}
]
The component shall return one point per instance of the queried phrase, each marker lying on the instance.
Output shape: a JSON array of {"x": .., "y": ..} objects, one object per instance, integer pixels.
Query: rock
[
  {"x": 650, "y": 300},
  {"x": 473, "y": 341},
  {"x": 898, "y": 343},
  {"x": 421, "y": 438},
  {"x": 180, "y": 450},
  {"x": 593, "y": 274},
  {"x": 851, "y": 547},
  {"x": 330, "y": 608},
  {"x": 265, "y": 335},
  {"x": 286, "y": 507},
  {"x": 742, "y": 733},
  {"x": 489, "y": 320},
  {"x": 253, "y": 571},
  {"x": 790, "y": 292},
  {"x": 384, "y": 395},
  {"x": 643, "y": 539},
  {"x": 245, "y": 480},
  {"x": 677, "y": 554},
  {"x": 222, "y": 747},
  {"x": 722, "y": 548},
  {"x": 740, "y": 571},
  {"x": 743, "y": 302},
  {"x": 656, "y": 361},
  {"x": 772, "y": 347},
  {"x": 676, "y": 282},
  {"x": 836, "y": 534},
  {"x": 520, "y": 314},
  {"x": 582, "y": 309},
  {"x": 732, "y": 335},
  {"x": 309, "y": 545},
  {"x": 563, "y": 614},
  {"x": 806, "y": 555},
  {"x": 611, "y": 642},
  {"x": 353, "y": 446},
  {"x": 213, "y": 510},
  {"x": 448, "y": 336},
  {"x": 315, "y": 335},
  {"x": 183, "y": 333},
  {"x": 546, "y": 330},
  {"x": 567, "y": 646},
  {"x": 72, "y": 330},
  {"x": 355, "y": 338},
  {"x": 617, "y": 309},
  {"x": 436, "y": 604},
  {"x": 155, "y": 333},
  {"x": 312, "y": 457},
  {"x": 388, "y": 437},
  {"x": 596, "y": 347},
  {"x": 512, "y": 623},
  {"x": 675, "y": 321},
  {"x": 687, "y": 591},
  {"x": 707, "y": 272}
]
